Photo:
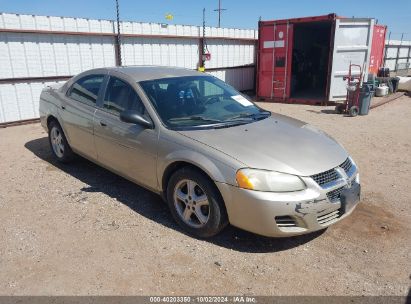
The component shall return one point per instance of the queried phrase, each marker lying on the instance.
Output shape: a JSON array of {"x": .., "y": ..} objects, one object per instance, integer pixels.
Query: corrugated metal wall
[
  {"x": 38, "y": 50},
  {"x": 238, "y": 78},
  {"x": 160, "y": 51},
  {"x": 397, "y": 52},
  {"x": 20, "y": 101},
  {"x": 39, "y": 55}
]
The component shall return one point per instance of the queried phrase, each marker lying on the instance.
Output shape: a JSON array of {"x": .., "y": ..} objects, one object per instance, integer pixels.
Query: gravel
[{"x": 80, "y": 230}]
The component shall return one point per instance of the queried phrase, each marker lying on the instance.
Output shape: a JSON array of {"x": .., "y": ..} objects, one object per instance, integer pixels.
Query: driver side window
[{"x": 120, "y": 96}]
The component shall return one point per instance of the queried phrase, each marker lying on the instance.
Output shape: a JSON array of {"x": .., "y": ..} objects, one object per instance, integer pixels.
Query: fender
[
  {"x": 216, "y": 170},
  {"x": 48, "y": 107}
]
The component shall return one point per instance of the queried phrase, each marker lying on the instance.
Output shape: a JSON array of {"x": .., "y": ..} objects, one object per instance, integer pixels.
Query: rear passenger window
[
  {"x": 86, "y": 89},
  {"x": 120, "y": 96}
]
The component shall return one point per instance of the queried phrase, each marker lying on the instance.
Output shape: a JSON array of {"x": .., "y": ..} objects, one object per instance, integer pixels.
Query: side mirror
[{"x": 136, "y": 118}]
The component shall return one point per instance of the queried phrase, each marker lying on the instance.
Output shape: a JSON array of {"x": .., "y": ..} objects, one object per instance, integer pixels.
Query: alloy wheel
[
  {"x": 191, "y": 203},
  {"x": 57, "y": 142}
]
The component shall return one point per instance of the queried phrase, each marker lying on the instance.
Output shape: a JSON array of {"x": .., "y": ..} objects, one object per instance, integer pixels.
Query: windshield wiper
[
  {"x": 195, "y": 118},
  {"x": 250, "y": 115}
]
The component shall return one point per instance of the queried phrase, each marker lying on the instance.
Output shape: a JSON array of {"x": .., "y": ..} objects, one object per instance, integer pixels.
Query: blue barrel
[{"x": 366, "y": 94}]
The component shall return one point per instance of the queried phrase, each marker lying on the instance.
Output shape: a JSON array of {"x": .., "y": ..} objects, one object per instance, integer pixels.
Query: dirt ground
[{"x": 81, "y": 230}]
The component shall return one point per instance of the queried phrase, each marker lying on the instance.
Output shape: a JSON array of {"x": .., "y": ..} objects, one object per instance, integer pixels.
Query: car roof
[{"x": 141, "y": 73}]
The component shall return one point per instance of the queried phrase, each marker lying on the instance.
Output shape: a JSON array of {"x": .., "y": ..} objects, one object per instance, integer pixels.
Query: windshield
[{"x": 200, "y": 101}]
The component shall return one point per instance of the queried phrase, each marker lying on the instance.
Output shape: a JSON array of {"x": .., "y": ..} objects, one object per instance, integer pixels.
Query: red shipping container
[
  {"x": 304, "y": 60},
  {"x": 377, "y": 49}
]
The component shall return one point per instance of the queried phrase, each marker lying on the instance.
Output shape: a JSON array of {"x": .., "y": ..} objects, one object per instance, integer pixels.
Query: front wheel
[
  {"x": 58, "y": 143},
  {"x": 195, "y": 203}
]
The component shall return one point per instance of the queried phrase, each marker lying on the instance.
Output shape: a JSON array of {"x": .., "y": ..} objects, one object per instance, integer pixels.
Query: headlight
[{"x": 271, "y": 181}]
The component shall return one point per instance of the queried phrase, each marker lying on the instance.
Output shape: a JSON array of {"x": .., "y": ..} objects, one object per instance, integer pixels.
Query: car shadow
[{"x": 151, "y": 206}]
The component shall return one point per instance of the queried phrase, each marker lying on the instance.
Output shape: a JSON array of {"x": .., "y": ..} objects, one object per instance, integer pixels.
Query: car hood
[{"x": 277, "y": 143}]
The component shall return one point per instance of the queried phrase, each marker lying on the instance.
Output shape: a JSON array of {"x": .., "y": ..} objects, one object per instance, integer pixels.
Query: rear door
[
  {"x": 274, "y": 64},
  {"x": 352, "y": 44},
  {"x": 77, "y": 112}
]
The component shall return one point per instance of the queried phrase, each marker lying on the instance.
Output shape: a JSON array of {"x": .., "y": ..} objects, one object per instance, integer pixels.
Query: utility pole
[
  {"x": 202, "y": 46},
  {"x": 219, "y": 10},
  {"x": 118, "y": 38}
]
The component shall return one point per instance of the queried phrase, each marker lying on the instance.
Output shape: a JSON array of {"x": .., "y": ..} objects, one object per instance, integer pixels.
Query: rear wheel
[
  {"x": 195, "y": 203},
  {"x": 58, "y": 143}
]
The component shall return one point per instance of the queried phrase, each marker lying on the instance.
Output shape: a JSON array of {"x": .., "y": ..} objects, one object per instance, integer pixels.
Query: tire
[
  {"x": 354, "y": 110},
  {"x": 201, "y": 212},
  {"x": 58, "y": 143},
  {"x": 339, "y": 109}
]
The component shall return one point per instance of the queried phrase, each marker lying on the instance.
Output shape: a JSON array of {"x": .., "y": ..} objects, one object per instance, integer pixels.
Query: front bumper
[{"x": 286, "y": 214}]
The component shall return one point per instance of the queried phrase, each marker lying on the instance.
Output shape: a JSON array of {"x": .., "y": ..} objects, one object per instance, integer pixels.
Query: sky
[{"x": 239, "y": 13}]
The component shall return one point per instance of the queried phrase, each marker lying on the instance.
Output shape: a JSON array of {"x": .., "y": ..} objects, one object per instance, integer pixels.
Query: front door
[{"x": 129, "y": 149}]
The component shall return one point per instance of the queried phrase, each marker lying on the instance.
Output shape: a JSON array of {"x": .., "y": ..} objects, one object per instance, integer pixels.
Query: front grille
[
  {"x": 329, "y": 217},
  {"x": 346, "y": 165},
  {"x": 285, "y": 221},
  {"x": 335, "y": 194},
  {"x": 325, "y": 177},
  {"x": 329, "y": 176}
]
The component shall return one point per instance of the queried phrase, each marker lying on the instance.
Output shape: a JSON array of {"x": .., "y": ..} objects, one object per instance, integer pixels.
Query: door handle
[{"x": 103, "y": 124}]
